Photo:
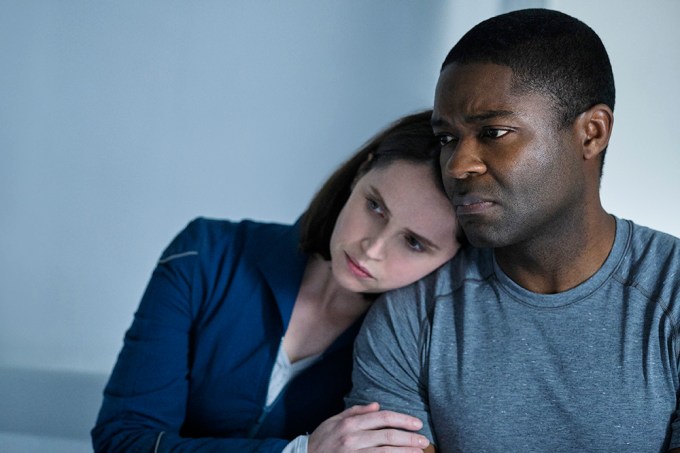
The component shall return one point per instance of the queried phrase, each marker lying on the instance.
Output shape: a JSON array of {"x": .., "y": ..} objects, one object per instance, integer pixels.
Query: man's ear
[{"x": 595, "y": 127}]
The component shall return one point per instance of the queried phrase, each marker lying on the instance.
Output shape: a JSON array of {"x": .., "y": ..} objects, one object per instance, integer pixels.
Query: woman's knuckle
[
  {"x": 387, "y": 418},
  {"x": 346, "y": 440},
  {"x": 347, "y": 424}
]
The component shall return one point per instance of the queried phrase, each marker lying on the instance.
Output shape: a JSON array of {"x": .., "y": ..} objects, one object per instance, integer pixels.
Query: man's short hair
[{"x": 549, "y": 52}]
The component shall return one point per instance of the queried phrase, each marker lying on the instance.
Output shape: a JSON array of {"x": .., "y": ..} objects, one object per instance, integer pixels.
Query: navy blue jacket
[{"x": 196, "y": 361}]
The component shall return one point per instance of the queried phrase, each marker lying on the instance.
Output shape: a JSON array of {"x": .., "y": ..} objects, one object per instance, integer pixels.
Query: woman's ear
[{"x": 595, "y": 127}]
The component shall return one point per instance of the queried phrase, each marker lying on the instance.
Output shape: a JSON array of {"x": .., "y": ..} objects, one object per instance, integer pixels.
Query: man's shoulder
[
  {"x": 647, "y": 236},
  {"x": 651, "y": 263},
  {"x": 647, "y": 245},
  {"x": 470, "y": 265}
]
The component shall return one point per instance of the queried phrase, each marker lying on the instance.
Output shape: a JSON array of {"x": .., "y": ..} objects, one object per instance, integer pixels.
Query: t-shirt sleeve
[{"x": 390, "y": 356}]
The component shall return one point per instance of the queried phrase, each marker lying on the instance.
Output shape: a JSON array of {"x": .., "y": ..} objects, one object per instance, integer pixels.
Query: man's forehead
[
  {"x": 478, "y": 86},
  {"x": 474, "y": 74}
]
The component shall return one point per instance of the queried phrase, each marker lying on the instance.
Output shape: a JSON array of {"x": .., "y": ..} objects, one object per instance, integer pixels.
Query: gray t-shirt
[{"x": 489, "y": 366}]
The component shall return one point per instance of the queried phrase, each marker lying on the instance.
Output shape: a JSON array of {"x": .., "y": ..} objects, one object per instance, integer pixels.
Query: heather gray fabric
[{"x": 490, "y": 366}]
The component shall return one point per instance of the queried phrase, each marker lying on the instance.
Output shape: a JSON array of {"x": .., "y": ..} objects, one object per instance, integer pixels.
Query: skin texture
[
  {"x": 396, "y": 227},
  {"x": 366, "y": 429},
  {"x": 505, "y": 148},
  {"x": 519, "y": 181}
]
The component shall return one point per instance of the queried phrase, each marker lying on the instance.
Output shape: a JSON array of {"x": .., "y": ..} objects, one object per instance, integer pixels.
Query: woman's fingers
[
  {"x": 370, "y": 418},
  {"x": 367, "y": 428},
  {"x": 390, "y": 438},
  {"x": 358, "y": 410}
]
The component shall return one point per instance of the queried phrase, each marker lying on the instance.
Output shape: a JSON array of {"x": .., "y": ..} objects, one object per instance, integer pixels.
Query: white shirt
[{"x": 282, "y": 373}]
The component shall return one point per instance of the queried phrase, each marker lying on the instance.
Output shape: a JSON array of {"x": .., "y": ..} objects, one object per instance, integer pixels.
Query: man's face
[{"x": 511, "y": 173}]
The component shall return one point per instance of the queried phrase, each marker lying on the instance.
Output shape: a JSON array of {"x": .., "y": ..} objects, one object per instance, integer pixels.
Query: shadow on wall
[{"x": 43, "y": 408}]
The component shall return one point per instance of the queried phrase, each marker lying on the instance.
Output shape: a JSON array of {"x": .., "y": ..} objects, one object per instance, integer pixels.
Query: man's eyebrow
[
  {"x": 490, "y": 114},
  {"x": 436, "y": 122},
  {"x": 476, "y": 118}
]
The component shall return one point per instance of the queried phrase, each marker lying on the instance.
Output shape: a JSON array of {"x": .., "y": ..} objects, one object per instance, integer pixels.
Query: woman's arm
[{"x": 145, "y": 400}]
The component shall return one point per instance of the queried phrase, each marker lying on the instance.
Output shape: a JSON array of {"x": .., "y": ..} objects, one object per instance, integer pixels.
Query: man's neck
[{"x": 556, "y": 263}]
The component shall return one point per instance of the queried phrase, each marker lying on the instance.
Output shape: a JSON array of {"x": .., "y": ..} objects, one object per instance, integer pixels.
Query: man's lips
[
  {"x": 357, "y": 269},
  {"x": 468, "y": 205}
]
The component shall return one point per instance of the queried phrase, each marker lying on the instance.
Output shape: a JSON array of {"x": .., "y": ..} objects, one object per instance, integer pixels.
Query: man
[{"x": 558, "y": 331}]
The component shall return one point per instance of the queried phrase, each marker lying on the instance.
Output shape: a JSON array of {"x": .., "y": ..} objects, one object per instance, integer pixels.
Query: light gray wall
[
  {"x": 642, "y": 168},
  {"x": 120, "y": 121}
]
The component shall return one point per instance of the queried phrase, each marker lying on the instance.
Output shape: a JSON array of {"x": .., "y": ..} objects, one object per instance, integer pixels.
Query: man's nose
[{"x": 464, "y": 160}]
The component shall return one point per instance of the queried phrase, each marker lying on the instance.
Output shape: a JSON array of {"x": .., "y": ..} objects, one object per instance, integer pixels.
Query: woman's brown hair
[{"x": 410, "y": 138}]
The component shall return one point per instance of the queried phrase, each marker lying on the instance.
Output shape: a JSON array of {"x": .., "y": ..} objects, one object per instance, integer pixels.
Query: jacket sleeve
[{"x": 145, "y": 399}]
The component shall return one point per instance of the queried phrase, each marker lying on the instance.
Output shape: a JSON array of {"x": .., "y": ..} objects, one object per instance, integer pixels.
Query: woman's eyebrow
[
  {"x": 428, "y": 243},
  {"x": 376, "y": 193}
]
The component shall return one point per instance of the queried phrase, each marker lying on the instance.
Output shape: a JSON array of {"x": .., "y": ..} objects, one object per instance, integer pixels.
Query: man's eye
[
  {"x": 495, "y": 133},
  {"x": 445, "y": 139}
]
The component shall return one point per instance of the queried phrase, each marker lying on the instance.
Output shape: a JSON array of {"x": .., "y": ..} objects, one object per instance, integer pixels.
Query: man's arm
[
  {"x": 366, "y": 427},
  {"x": 389, "y": 356}
]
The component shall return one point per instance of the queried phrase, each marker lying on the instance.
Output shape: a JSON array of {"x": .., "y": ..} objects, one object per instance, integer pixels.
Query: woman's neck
[
  {"x": 320, "y": 288},
  {"x": 323, "y": 311}
]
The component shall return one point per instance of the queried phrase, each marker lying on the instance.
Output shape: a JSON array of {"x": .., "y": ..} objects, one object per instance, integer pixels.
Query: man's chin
[{"x": 484, "y": 237}]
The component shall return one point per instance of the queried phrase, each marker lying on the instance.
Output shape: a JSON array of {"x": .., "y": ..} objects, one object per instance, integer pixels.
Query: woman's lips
[{"x": 356, "y": 269}]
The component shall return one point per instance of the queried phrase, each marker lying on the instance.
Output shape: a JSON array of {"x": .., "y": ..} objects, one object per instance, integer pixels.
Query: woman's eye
[
  {"x": 414, "y": 244},
  {"x": 374, "y": 206},
  {"x": 495, "y": 133}
]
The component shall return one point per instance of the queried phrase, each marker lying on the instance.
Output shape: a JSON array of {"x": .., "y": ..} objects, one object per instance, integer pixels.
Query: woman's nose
[{"x": 374, "y": 247}]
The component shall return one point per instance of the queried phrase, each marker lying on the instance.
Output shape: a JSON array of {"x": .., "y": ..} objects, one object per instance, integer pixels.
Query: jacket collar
[{"x": 282, "y": 265}]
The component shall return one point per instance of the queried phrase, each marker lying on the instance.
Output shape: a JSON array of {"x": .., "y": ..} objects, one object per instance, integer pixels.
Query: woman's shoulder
[
  {"x": 212, "y": 228},
  {"x": 203, "y": 234}
]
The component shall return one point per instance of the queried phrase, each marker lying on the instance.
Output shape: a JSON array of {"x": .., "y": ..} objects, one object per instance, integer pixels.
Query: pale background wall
[
  {"x": 120, "y": 121},
  {"x": 642, "y": 168}
]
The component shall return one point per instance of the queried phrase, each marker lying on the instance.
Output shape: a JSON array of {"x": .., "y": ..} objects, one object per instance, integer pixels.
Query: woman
[{"x": 243, "y": 338}]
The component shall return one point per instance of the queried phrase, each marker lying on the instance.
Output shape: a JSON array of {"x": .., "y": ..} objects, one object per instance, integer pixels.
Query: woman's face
[{"x": 396, "y": 227}]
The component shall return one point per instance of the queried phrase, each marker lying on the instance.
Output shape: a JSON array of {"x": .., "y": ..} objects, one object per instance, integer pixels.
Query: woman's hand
[{"x": 368, "y": 429}]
